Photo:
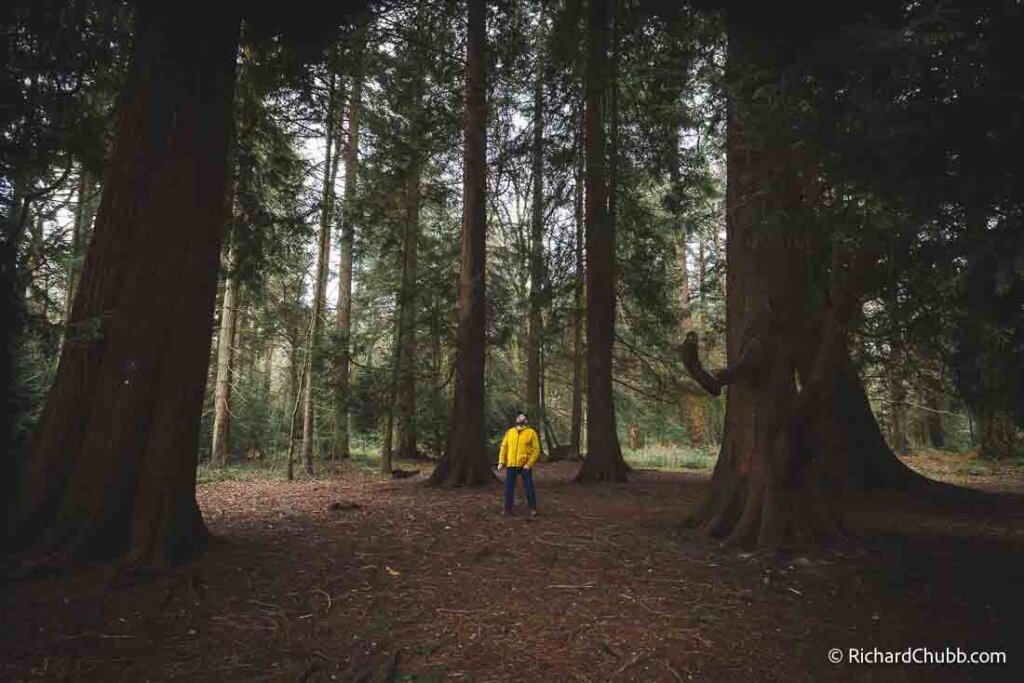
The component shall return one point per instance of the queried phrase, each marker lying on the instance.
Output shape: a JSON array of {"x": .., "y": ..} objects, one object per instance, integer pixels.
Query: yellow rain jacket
[{"x": 519, "y": 448}]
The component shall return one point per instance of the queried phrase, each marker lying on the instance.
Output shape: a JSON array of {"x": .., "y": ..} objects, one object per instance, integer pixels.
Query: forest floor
[{"x": 353, "y": 577}]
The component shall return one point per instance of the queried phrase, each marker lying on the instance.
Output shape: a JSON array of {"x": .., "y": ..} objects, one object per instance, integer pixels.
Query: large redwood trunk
[
  {"x": 112, "y": 469},
  {"x": 603, "y": 461},
  {"x": 768, "y": 486},
  {"x": 465, "y": 459},
  {"x": 788, "y": 453}
]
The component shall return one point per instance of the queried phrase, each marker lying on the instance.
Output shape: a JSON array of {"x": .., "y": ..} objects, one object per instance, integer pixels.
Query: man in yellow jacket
[{"x": 520, "y": 450}]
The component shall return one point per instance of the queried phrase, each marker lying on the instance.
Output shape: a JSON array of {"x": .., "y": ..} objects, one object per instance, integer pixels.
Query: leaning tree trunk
[
  {"x": 112, "y": 470},
  {"x": 331, "y": 159},
  {"x": 219, "y": 449},
  {"x": 604, "y": 460},
  {"x": 465, "y": 459}
]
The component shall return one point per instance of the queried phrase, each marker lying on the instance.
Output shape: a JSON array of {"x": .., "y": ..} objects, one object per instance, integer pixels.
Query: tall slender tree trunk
[
  {"x": 387, "y": 430},
  {"x": 546, "y": 426},
  {"x": 685, "y": 312},
  {"x": 84, "y": 211},
  {"x": 331, "y": 159},
  {"x": 701, "y": 280},
  {"x": 899, "y": 439},
  {"x": 408, "y": 308},
  {"x": 579, "y": 310},
  {"x": 348, "y": 225},
  {"x": 933, "y": 420},
  {"x": 535, "y": 332},
  {"x": 437, "y": 362},
  {"x": 113, "y": 462},
  {"x": 219, "y": 450},
  {"x": 694, "y": 412},
  {"x": 465, "y": 461},
  {"x": 33, "y": 260},
  {"x": 299, "y": 380},
  {"x": 408, "y": 300},
  {"x": 604, "y": 460},
  {"x": 12, "y": 315}
]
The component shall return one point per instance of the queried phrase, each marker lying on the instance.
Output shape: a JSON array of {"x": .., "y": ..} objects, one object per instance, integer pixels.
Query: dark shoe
[
  {"x": 505, "y": 512},
  {"x": 533, "y": 513}
]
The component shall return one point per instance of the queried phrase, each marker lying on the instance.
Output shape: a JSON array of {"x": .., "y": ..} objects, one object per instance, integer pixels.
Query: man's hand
[
  {"x": 500, "y": 466},
  {"x": 526, "y": 467}
]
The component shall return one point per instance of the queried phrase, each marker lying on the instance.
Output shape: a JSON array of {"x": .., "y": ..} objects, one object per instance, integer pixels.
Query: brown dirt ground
[{"x": 422, "y": 584}]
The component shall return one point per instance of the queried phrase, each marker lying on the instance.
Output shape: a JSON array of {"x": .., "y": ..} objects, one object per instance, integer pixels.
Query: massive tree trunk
[
  {"x": 787, "y": 455},
  {"x": 113, "y": 462},
  {"x": 767, "y": 488},
  {"x": 331, "y": 159},
  {"x": 219, "y": 449},
  {"x": 604, "y": 455},
  {"x": 350, "y": 213},
  {"x": 465, "y": 460},
  {"x": 535, "y": 321}
]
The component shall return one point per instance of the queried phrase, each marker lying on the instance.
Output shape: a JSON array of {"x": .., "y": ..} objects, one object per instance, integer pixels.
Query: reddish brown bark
[
  {"x": 465, "y": 459},
  {"x": 112, "y": 469},
  {"x": 767, "y": 487},
  {"x": 604, "y": 460},
  {"x": 788, "y": 452},
  {"x": 408, "y": 299}
]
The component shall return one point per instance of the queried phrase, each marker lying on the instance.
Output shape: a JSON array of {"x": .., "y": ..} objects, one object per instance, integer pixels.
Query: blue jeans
[{"x": 510, "y": 486}]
